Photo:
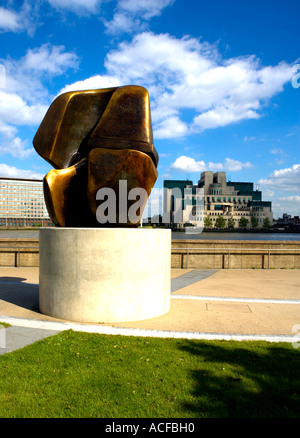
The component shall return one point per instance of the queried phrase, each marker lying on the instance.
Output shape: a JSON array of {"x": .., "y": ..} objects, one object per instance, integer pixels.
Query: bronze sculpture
[{"x": 96, "y": 139}]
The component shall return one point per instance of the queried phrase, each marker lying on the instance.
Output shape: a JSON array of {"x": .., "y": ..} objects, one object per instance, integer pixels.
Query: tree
[
  {"x": 254, "y": 222},
  {"x": 266, "y": 222},
  {"x": 243, "y": 222},
  {"x": 230, "y": 223},
  {"x": 208, "y": 222},
  {"x": 220, "y": 222}
]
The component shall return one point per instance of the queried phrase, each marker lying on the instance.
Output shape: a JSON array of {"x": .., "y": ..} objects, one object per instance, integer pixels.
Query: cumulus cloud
[
  {"x": 290, "y": 198},
  {"x": 53, "y": 60},
  {"x": 132, "y": 15},
  {"x": 9, "y": 20},
  {"x": 188, "y": 164},
  {"x": 14, "y": 172},
  {"x": 287, "y": 179},
  {"x": 93, "y": 82},
  {"x": 190, "y": 74},
  {"x": 25, "y": 98},
  {"x": 170, "y": 127},
  {"x": 26, "y": 18},
  {"x": 15, "y": 110},
  {"x": 17, "y": 148},
  {"x": 147, "y": 9},
  {"x": 80, "y": 7}
]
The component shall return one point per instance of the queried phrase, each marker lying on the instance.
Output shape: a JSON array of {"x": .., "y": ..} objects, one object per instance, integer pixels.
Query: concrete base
[{"x": 104, "y": 274}]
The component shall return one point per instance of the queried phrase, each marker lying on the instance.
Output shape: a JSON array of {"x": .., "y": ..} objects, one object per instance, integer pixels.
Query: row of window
[
  {"x": 228, "y": 199},
  {"x": 22, "y": 224},
  {"x": 236, "y": 220}
]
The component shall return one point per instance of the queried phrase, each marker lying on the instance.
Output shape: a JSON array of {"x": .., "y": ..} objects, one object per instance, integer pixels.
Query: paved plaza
[{"x": 205, "y": 304}]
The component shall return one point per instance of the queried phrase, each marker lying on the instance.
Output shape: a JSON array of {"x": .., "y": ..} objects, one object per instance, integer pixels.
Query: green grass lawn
[{"x": 75, "y": 374}]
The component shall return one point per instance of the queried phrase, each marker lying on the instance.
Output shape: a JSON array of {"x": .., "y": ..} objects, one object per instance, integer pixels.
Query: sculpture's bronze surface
[{"x": 94, "y": 139}]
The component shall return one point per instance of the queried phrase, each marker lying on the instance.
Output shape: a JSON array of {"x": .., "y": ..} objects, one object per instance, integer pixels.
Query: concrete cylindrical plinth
[{"x": 104, "y": 274}]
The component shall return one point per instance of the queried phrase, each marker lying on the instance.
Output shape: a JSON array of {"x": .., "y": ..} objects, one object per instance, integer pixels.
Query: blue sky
[{"x": 223, "y": 78}]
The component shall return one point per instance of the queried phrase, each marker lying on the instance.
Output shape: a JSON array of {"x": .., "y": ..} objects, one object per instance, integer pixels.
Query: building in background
[
  {"x": 289, "y": 223},
  {"x": 22, "y": 203},
  {"x": 231, "y": 200}
]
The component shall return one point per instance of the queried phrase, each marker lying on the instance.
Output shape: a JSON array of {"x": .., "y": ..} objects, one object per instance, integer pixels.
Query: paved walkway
[{"x": 205, "y": 304}]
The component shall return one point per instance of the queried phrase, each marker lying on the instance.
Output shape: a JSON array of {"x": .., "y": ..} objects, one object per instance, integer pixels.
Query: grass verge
[{"x": 76, "y": 374}]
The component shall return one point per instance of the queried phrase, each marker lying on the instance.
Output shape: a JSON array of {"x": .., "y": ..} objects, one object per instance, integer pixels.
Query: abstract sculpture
[{"x": 97, "y": 139}]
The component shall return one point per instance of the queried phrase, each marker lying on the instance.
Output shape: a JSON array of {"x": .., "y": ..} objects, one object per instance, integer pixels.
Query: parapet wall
[
  {"x": 17, "y": 252},
  {"x": 235, "y": 254},
  {"x": 186, "y": 254}
]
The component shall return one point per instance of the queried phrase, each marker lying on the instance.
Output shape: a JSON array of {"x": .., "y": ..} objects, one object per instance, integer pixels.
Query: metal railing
[{"x": 233, "y": 251}]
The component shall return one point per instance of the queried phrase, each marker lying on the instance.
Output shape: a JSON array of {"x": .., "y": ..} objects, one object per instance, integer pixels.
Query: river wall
[
  {"x": 235, "y": 254},
  {"x": 185, "y": 254}
]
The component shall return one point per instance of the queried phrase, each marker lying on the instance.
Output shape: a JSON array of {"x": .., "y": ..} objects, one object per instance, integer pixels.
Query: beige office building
[
  {"x": 232, "y": 200},
  {"x": 22, "y": 203}
]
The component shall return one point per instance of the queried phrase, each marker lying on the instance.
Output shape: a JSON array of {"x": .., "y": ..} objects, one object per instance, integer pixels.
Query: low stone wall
[
  {"x": 186, "y": 254},
  {"x": 237, "y": 254},
  {"x": 19, "y": 252}
]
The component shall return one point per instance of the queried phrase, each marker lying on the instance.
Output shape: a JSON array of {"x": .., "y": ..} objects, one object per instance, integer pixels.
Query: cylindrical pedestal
[{"x": 104, "y": 274}]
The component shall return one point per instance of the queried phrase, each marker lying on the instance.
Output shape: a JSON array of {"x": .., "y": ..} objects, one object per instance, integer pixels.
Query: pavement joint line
[
  {"x": 235, "y": 299},
  {"x": 109, "y": 330}
]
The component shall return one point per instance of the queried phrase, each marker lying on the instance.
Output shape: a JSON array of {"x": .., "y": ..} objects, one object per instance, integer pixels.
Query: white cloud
[
  {"x": 290, "y": 198},
  {"x": 94, "y": 82},
  {"x": 222, "y": 116},
  {"x": 25, "y": 98},
  {"x": 281, "y": 186},
  {"x": 189, "y": 74},
  {"x": 14, "y": 172},
  {"x": 122, "y": 23},
  {"x": 17, "y": 148},
  {"x": 16, "y": 111},
  {"x": 235, "y": 165},
  {"x": 287, "y": 179},
  {"x": 132, "y": 15},
  {"x": 287, "y": 204},
  {"x": 25, "y": 19},
  {"x": 9, "y": 20},
  {"x": 77, "y": 6},
  {"x": 53, "y": 60},
  {"x": 276, "y": 151},
  {"x": 170, "y": 127},
  {"x": 26, "y": 77},
  {"x": 188, "y": 164},
  {"x": 147, "y": 9}
]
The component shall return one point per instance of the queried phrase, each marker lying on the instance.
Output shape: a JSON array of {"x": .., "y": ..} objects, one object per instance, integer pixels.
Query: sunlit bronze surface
[{"x": 94, "y": 139}]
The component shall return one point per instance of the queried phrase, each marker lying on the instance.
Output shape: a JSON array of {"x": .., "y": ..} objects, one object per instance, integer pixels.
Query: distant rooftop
[{"x": 20, "y": 179}]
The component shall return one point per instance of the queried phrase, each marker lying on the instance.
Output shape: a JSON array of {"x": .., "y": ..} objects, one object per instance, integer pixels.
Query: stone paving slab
[
  {"x": 208, "y": 304},
  {"x": 18, "y": 337},
  {"x": 190, "y": 277},
  {"x": 252, "y": 283}
]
